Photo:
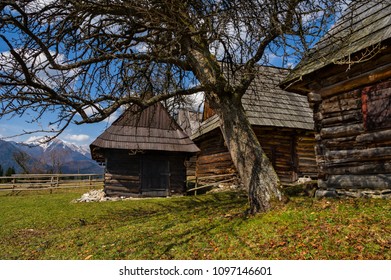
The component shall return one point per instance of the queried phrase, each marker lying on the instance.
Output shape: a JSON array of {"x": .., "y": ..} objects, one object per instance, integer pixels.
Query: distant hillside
[
  {"x": 55, "y": 157},
  {"x": 7, "y": 149}
]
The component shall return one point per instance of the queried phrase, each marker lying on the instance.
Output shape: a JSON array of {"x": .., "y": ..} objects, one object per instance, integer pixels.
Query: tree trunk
[{"x": 254, "y": 167}]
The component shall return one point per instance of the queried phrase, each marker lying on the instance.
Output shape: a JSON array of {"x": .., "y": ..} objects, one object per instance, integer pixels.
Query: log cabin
[
  {"x": 282, "y": 122},
  {"x": 189, "y": 120},
  {"x": 347, "y": 79},
  {"x": 144, "y": 153}
]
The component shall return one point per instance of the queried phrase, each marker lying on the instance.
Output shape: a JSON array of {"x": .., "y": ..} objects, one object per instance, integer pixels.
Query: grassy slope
[{"x": 48, "y": 226}]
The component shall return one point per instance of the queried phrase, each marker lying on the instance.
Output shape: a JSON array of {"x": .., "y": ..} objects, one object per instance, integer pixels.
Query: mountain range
[{"x": 57, "y": 156}]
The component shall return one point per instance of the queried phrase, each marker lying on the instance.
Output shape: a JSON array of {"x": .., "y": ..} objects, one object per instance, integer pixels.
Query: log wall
[
  {"x": 353, "y": 133},
  {"x": 305, "y": 151},
  {"x": 123, "y": 175},
  {"x": 291, "y": 152},
  {"x": 177, "y": 173},
  {"x": 214, "y": 158},
  {"x": 190, "y": 164}
]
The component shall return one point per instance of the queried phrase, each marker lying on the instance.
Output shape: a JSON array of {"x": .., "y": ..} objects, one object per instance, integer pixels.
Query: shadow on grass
[{"x": 173, "y": 228}]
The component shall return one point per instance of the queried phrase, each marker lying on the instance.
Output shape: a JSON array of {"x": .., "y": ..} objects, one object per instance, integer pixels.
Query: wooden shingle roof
[
  {"x": 365, "y": 24},
  {"x": 149, "y": 129},
  {"x": 266, "y": 104}
]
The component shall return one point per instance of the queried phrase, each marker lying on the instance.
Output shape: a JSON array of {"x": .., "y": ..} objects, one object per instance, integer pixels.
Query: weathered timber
[
  {"x": 206, "y": 168},
  {"x": 314, "y": 97},
  {"x": 378, "y": 74},
  {"x": 122, "y": 182},
  {"x": 215, "y": 171},
  {"x": 338, "y": 106},
  {"x": 359, "y": 155},
  {"x": 109, "y": 176},
  {"x": 340, "y": 142},
  {"x": 374, "y": 137},
  {"x": 291, "y": 152},
  {"x": 191, "y": 166},
  {"x": 341, "y": 131},
  {"x": 214, "y": 184},
  {"x": 279, "y": 120},
  {"x": 351, "y": 95},
  {"x": 377, "y": 167},
  {"x": 346, "y": 145},
  {"x": 218, "y": 157},
  {"x": 361, "y": 73},
  {"x": 124, "y": 193},
  {"x": 350, "y": 117},
  {"x": 381, "y": 181},
  {"x": 124, "y": 188}
]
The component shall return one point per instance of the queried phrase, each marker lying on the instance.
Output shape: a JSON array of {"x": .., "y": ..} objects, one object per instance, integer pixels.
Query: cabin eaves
[{"x": 365, "y": 25}]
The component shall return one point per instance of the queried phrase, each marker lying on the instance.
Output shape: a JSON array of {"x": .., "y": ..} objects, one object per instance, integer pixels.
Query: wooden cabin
[
  {"x": 144, "y": 153},
  {"x": 189, "y": 120},
  {"x": 347, "y": 78},
  {"x": 282, "y": 122}
]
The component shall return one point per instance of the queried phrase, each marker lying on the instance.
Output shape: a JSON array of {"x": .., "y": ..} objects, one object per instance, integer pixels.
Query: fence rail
[
  {"x": 209, "y": 181},
  {"x": 21, "y": 182}
]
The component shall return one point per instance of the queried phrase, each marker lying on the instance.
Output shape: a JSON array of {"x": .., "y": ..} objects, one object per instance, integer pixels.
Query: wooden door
[{"x": 155, "y": 177}]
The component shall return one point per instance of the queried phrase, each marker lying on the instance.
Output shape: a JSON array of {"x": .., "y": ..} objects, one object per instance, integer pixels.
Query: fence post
[
  {"x": 196, "y": 185},
  {"x": 51, "y": 185}
]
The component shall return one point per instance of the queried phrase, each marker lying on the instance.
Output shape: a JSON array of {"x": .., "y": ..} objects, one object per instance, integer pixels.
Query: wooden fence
[
  {"x": 199, "y": 183},
  {"x": 23, "y": 182}
]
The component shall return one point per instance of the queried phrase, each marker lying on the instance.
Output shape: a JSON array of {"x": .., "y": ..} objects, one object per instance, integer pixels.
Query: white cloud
[
  {"x": 90, "y": 111},
  {"x": 39, "y": 67},
  {"x": 36, "y": 140},
  {"x": 77, "y": 137},
  {"x": 36, "y": 5}
]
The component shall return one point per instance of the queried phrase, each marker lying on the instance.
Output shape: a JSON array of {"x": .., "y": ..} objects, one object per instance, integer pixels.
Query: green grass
[{"x": 213, "y": 226}]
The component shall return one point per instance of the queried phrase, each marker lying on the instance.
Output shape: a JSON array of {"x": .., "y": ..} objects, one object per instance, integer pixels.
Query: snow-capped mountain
[
  {"x": 56, "y": 156},
  {"x": 58, "y": 144}
]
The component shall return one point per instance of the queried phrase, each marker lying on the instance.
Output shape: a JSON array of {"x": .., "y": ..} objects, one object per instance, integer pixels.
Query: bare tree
[
  {"x": 85, "y": 59},
  {"x": 23, "y": 159},
  {"x": 55, "y": 160}
]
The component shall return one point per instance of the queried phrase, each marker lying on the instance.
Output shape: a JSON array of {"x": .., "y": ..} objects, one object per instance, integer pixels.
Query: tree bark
[{"x": 254, "y": 167}]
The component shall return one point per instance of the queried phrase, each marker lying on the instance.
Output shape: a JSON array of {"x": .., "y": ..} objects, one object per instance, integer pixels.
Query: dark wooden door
[{"x": 155, "y": 177}]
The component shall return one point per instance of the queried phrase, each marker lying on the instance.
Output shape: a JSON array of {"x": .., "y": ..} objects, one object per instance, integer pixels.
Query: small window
[{"x": 376, "y": 106}]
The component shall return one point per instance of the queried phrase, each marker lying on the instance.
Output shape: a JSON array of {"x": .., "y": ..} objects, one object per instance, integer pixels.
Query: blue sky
[
  {"x": 77, "y": 134},
  {"x": 14, "y": 125},
  {"x": 81, "y": 135}
]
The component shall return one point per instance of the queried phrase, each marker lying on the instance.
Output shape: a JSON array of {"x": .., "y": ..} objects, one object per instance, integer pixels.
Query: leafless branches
[
  {"x": 73, "y": 57},
  {"x": 366, "y": 55}
]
